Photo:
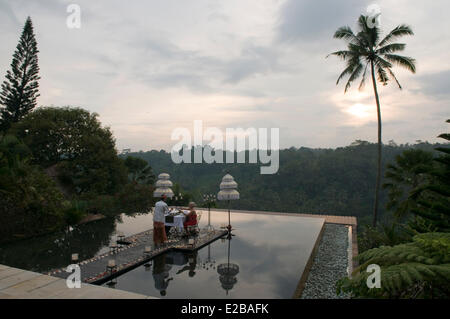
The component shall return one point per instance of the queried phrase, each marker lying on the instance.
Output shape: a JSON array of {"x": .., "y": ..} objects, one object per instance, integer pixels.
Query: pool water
[
  {"x": 264, "y": 259},
  {"x": 53, "y": 251},
  {"x": 267, "y": 256}
]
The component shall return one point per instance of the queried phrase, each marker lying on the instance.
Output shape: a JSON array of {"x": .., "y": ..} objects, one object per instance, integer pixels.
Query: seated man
[{"x": 191, "y": 217}]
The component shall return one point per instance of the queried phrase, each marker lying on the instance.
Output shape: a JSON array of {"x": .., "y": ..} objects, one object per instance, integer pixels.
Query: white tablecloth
[{"x": 178, "y": 222}]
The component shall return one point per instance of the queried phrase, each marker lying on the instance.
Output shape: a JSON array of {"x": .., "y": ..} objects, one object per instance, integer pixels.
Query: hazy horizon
[{"x": 418, "y": 142}]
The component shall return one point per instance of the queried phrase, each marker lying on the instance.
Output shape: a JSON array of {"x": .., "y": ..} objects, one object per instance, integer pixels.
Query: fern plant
[{"x": 418, "y": 269}]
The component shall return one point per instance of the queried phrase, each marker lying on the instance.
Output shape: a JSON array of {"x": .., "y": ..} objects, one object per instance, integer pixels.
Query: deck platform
[
  {"x": 23, "y": 284},
  {"x": 131, "y": 255}
]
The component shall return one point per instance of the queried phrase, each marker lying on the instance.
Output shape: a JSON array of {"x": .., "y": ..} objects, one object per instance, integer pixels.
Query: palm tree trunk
[{"x": 377, "y": 187}]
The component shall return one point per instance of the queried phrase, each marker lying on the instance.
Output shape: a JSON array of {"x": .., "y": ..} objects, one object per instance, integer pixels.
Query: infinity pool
[
  {"x": 267, "y": 256},
  {"x": 264, "y": 259}
]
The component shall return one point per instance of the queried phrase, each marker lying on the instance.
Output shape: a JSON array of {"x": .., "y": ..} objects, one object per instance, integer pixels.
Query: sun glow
[{"x": 359, "y": 110}]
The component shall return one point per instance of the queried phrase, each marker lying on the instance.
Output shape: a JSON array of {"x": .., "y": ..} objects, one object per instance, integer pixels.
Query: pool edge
[{"x": 302, "y": 282}]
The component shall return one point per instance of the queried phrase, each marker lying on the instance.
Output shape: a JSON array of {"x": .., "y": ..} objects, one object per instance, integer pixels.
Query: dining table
[{"x": 176, "y": 220}]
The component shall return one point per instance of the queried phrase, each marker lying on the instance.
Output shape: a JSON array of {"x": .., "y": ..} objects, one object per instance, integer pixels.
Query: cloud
[
  {"x": 149, "y": 67},
  {"x": 313, "y": 20},
  {"x": 164, "y": 64},
  {"x": 435, "y": 84},
  {"x": 7, "y": 15}
]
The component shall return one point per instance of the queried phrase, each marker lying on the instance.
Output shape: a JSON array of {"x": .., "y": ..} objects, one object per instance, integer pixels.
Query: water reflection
[
  {"x": 195, "y": 272},
  {"x": 52, "y": 251},
  {"x": 188, "y": 262},
  {"x": 209, "y": 261},
  {"x": 161, "y": 274},
  {"x": 228, "y": 271},
  {"x": 270, "y": 251},
  {"x": 192, "y": 264},
  {"x": 264, "y": 260}
]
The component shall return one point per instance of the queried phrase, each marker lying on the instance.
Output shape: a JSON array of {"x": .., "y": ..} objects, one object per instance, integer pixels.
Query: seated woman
[{"x": 191, "y": 217}]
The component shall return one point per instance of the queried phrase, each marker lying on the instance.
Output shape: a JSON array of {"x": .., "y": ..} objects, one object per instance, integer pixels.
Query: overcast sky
[{"x": 148, "y": 67}]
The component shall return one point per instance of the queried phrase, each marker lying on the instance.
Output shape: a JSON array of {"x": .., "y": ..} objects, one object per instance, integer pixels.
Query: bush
[
  {"x": 30, "y": 203},
  {"x": 74, "y": 212},
  {"x": 383, "y": 235},
  {"x": 135, "y": 198},
  {"x": 418, "y": 269},
  {"x": 102, "y": 204}
]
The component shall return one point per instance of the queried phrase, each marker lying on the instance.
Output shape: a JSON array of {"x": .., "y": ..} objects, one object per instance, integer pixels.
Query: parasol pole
[
  {"x": 209, "y": 215},
  {"x": 229, "y": 218},
  {"x": 229, "y": 242}
]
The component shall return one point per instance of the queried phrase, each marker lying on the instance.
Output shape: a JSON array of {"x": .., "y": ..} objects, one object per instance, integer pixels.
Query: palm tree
[
  {"x": 139, "y": 170},
  {"x": 366, "y": 50}
]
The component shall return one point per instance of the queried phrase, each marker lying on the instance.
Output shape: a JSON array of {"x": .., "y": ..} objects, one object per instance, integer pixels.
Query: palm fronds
[
  {"x": 403, "y": 61},
  {"x": 391, "y": 48},
  {"x": 397, "y": 32},
  {"x": 346, "y": 33},
  {"x": 366, "y": 44}
]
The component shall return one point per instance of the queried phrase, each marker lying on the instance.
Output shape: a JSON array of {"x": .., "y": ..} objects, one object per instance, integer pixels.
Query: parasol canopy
[
  {"x": 163, "y": 186},
  {"x": 228, "y": 189}
]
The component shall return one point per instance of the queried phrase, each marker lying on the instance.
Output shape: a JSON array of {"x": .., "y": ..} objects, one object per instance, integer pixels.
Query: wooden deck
[
  {"x": 22, "y": 284},
  {"x": 128, "y": 257}
]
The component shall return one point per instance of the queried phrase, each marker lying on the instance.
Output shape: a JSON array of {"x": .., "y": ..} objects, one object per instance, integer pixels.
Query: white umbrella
[
  {"x": 163, "y": 186},
  {"x": 228, "y": 192}
]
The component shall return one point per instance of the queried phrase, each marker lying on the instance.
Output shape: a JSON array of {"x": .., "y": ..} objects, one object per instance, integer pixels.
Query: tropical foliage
[
  {"x": 405, "y": 175},
  {"x": 30, "y": 203},
  {"x": 418, "y": 269},
  {"x": 388, "y": 233},
  {"x": 60, "y": 166},
  {"x": 319, "y": 181},
  {"x": 139, "y": 170},
  {"x": 433, "y": 198}
]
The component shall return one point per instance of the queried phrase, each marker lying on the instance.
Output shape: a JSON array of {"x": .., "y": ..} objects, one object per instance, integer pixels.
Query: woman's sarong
[{"x": 159, "y": 233}]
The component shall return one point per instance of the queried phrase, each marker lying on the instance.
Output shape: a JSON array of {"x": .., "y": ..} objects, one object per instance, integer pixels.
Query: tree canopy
[
  {"x": 321, "y": 181},
  {"x": 74, "y": 140}
]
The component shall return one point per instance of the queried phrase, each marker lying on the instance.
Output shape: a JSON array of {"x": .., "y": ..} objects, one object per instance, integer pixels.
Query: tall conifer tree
[{"x": 20, "y": 88}]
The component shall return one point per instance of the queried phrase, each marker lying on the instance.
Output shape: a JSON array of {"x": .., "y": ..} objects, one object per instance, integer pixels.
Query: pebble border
[{"x": 330, "y": 264}]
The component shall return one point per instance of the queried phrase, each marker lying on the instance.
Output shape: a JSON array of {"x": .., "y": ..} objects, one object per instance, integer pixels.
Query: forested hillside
[{"x": 323, "y": 181}]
